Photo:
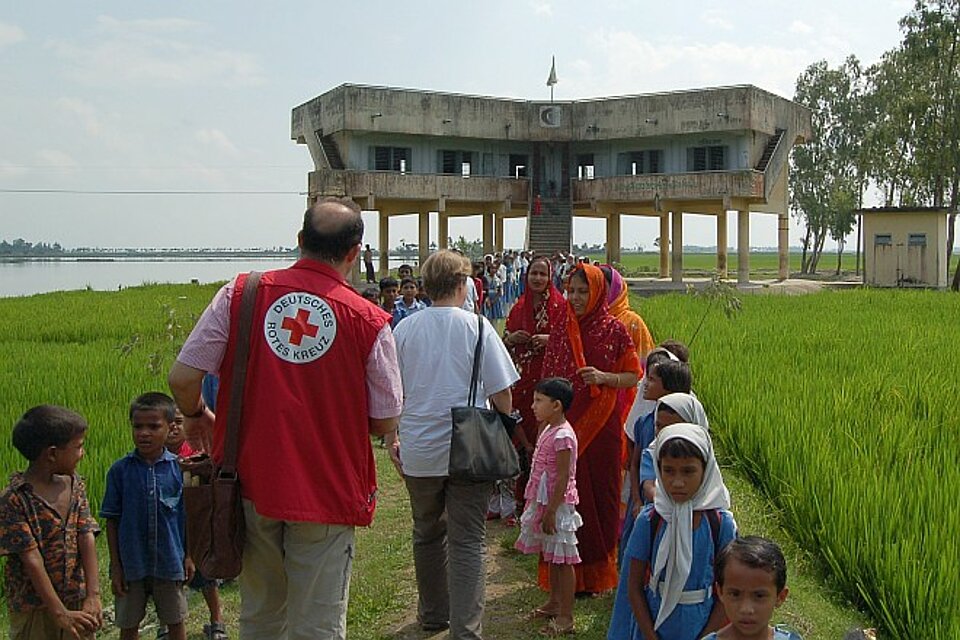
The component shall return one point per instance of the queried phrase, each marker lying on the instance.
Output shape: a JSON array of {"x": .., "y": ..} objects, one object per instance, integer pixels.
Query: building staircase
[
  {"x": 332, "y": 152},
  {"x": 769, "y": 150},
  {"x": 551, "y": 229}
]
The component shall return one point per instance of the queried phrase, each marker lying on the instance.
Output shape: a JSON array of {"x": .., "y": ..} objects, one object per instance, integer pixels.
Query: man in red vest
[{"x": 322, "y": 377}]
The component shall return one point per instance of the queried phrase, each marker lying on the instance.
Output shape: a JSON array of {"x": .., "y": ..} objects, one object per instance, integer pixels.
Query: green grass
[
  {"x": 762, "y": 265},
  {"x": 837, "y": 406}
]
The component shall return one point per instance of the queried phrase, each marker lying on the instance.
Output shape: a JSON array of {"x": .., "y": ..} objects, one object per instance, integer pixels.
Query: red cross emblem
[{"x": 300, "y": 326}]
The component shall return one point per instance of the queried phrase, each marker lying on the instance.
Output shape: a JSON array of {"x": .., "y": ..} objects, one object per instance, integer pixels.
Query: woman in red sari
[
  {"x": 539, "y": 311},
  {"x": 594, "y": 351}
]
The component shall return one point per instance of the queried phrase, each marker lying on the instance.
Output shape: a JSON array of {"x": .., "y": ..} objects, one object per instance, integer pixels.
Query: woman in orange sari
[{"x": 594, "y": 351}]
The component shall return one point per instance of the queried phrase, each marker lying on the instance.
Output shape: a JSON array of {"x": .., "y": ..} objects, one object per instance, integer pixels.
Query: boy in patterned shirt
[{"x": 51, "y": 580}]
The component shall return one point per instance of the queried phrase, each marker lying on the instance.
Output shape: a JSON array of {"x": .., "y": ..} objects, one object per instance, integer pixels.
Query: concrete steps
[{"x": 552, "y": 229}]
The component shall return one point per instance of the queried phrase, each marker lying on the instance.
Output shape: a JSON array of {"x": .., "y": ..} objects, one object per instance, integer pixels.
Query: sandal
[
  {"x": 552, "y": 629},
  {"x": 215, "y": 631},
  {"x": 541, "y": 612}
]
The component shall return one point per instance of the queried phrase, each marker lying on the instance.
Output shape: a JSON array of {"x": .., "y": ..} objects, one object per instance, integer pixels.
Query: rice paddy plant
[{"x": 842, "y": 408}]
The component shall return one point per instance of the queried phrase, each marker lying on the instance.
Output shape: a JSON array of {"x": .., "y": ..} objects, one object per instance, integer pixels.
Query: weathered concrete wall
[
  {"x": 397, "y": 186},
  {"x": 686, "y": 186},
  {"x": 725, "y": 109},
  {"x": 887, "y": 265}
]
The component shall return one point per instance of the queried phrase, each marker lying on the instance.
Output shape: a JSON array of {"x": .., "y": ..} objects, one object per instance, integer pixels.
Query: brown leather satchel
[{"x": 211, "y": 492}]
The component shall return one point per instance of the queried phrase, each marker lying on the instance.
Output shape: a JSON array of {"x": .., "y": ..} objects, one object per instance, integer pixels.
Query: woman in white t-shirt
[{"x": 435, "y": 350}]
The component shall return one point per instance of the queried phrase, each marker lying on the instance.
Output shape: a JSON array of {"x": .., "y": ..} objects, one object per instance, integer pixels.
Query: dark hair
[
  {"x": 556, "y": 389},
  {"x": 580, "y": 274},
  {"x": 45, "y": 426},
  {"x": 675, "y": 376},
  {"x": 371, "y": 293},
  {"x": 677, "y": 348},
  {"x": 655, "y": 357},
  {"x": 408, "y": 281},
  {"x": 386, "y": 283},
  {"x": 154, "y": 401},
  {"x": 404, "y": 266},
  {"x": 335, "y": 237},
  {"x": 757, "y": 553},
  {"x": 680, "y": 448},
  {"x": 663, "y": 407}
]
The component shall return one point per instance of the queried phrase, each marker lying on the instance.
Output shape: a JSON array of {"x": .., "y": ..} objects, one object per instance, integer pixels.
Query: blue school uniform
[
  {"x": 643, "y": 431},
  {"x": 687, "y": 620}
]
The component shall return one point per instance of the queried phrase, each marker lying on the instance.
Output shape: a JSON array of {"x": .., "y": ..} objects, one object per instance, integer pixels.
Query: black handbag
[{"x": 480, "y": 446}]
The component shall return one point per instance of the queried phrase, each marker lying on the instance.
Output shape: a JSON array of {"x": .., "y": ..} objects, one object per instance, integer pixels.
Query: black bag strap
[
  {"x": 231, "y": 444},
  {"x": 477, "y": 352}
]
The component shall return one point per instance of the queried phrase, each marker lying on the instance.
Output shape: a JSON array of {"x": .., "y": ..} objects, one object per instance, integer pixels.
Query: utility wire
[{"x": 145, "y": 192}]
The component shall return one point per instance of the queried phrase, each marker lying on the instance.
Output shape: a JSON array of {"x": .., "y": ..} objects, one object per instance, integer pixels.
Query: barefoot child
[
  {"x": 51, "y": 581},
  {"x": 752, "y": 582},
  {"x": 550, "y": 520},
  {"x": 675, "y": 540}
]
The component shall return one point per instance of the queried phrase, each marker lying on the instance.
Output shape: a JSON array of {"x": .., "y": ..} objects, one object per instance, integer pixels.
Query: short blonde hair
[{"x": 443, "y": 272}]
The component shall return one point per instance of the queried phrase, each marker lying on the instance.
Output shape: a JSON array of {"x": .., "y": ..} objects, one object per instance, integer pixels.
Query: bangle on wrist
[{"x": 199, "y": 412}]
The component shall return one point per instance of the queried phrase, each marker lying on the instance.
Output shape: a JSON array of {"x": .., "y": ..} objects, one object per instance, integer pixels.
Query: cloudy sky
[{"x": 196, "y": 96}]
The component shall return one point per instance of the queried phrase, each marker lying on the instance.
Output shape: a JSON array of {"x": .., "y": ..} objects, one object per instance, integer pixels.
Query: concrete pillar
[
  {"x": 664, "y": 245},
  {"x": 498, "y": 231},
  {"x": 722, "y": 244},
  {"x": 443, "y": 229},
  {"x": 487, "y": 232},
  {"x": 384, "y": 244},
  {"x": 676, "y": 257},
  {"x": 783, "y": 246},
  {"x": 423, "y": 239},
  {"x": 743, "y": 246},
  {"x": 613, "y": 237}
]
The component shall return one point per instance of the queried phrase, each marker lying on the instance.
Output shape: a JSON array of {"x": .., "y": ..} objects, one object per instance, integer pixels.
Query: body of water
[{"x": 28, "y": 277}]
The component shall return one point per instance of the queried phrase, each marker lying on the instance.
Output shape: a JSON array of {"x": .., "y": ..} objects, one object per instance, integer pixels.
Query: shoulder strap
[
  {"x": 231, "y": 444},
  {"x": 713, "y": 519},
  {"x": 477, "y": 352}
]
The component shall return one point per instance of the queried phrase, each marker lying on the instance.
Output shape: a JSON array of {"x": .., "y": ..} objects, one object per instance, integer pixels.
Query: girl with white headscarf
[{"x": 672, "y": 547}]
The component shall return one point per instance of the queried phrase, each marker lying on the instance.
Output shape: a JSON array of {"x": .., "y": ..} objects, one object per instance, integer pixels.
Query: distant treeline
[{"x": 20, "y": 248}]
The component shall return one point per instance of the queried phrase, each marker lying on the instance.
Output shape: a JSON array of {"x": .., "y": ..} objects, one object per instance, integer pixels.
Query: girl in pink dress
[{"x": 550, "y": 520}]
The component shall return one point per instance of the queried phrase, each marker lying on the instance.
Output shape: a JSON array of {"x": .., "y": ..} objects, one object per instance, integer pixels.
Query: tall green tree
[{"x": 828, "y": 173}]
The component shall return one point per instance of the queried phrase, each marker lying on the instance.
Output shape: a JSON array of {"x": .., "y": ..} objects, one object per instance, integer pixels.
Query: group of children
[
  {"x": 685, "y": 572},
  {"x": 47, "y": 531},
  {"x": 399, "y": 297}
]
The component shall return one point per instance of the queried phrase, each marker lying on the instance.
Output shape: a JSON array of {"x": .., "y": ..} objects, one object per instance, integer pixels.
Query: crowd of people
[{"x": 619, "y": 487}]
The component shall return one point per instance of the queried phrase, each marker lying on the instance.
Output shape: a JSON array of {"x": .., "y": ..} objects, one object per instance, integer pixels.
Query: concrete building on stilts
[{"x": 704, "y": 151}]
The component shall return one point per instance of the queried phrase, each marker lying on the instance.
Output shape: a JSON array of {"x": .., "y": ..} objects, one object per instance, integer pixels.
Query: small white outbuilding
[{"x": 905, "y": 247}]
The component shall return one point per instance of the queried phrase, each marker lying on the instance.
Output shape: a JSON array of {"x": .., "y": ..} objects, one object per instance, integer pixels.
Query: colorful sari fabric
[
  {"x": 619, "y": 304},
  {"x": 535, "y": 314},
  {"x": 599, "y": 340}
]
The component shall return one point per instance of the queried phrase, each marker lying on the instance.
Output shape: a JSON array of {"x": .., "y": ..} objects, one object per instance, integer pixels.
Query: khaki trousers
[
  {"x": 295, "y": 582},
  {"x": 449, "y": 530}
]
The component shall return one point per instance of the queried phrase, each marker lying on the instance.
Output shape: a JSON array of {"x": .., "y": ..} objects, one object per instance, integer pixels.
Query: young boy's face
[
  {"x": 68, "y": 456},
  {"x": 749, "y": 597},
  {"x": 389, "y": 296},
  {"x": 545, "y": 408},
  {"x": 681, "y": 477},
  {"x": 150, "y": 431},
  {"x": 654, "y": 388},
  {"x": 176, "y": 436},
  {"x": 405, "y": 272},
  {"x": 409, "y": 292}
]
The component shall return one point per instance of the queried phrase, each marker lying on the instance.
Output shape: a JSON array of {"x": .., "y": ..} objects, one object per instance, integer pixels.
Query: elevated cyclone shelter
[{"x": 705, "y": 151}]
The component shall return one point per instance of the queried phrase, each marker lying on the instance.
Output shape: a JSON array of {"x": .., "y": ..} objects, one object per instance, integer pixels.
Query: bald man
[{"x": 322, "y": 376}]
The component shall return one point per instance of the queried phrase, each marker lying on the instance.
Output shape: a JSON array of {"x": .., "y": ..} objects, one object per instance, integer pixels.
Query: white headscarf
[
  {"x": 676, "y": 548},
  {"x": 687, "y": 407}
]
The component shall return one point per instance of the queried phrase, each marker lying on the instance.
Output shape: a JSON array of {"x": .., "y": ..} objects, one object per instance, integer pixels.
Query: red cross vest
[{"x": 304, "y": 451}]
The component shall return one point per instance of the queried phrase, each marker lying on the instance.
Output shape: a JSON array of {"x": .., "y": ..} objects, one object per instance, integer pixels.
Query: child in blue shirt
[
  {"x": 407, "y": 304},
  {"x": 143, "y": 508},
  {"x": 751, "y": 584},
  {"x": 672, "y": 548}
]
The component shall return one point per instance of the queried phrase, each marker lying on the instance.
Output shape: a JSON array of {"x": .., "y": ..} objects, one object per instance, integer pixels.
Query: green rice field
[{"x": 839, "y": 406}]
